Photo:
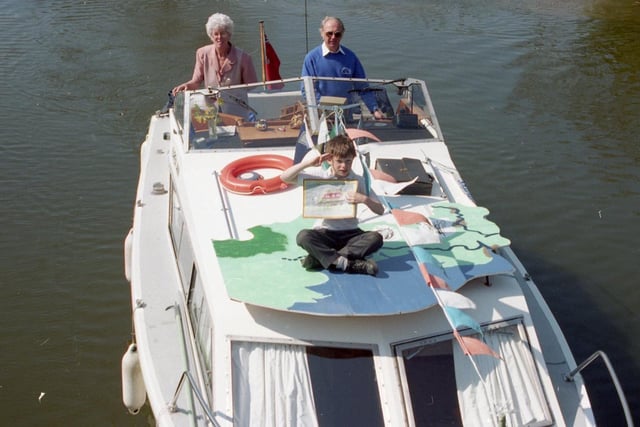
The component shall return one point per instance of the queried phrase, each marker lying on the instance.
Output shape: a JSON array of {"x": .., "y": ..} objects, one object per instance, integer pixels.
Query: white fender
[
  {"x": 128, "y": 244},
  {"x": 133, "y": 391}
]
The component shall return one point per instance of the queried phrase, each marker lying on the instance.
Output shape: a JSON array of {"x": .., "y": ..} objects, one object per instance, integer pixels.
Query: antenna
[{"x": 306, "y": 28}]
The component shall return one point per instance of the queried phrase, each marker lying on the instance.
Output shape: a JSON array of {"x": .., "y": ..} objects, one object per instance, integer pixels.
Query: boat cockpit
[{"x": 242, "y": 115}]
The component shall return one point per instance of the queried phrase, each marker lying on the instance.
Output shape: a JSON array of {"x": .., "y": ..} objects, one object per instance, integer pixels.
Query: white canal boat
[{"x": 231, "y": 330}]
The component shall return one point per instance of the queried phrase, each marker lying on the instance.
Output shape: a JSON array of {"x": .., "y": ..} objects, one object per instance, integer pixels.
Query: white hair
[{"x": 219, "y": 21}]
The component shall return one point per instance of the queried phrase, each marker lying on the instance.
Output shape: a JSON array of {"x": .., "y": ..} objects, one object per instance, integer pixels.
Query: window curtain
[
  {"x": 271, "y": 386},
  {"x": 513, "y": 389}
]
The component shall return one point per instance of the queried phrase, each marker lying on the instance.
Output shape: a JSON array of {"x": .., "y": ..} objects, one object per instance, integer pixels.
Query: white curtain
[
  {"x": 513, "y": 389},
  {"x": 271, "y": 386}
]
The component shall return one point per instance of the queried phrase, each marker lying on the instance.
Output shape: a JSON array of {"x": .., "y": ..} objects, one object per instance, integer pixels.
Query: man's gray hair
[{"x": 330, "y": 18}]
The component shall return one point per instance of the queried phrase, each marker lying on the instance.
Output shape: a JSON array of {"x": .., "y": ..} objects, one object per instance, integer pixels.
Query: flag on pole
[
  {"x": 460, "y": 318},
  {"x": 272, "y": 64},
  {"x": 473, "y": 346},
  {"x": 453, "y": 299},
  {"x": 404, "y": 217}
]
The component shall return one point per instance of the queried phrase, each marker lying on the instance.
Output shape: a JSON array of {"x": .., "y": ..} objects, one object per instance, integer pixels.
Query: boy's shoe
[
  {"x": 310, "y": 263},
  {"x": 362, "y": 266}
]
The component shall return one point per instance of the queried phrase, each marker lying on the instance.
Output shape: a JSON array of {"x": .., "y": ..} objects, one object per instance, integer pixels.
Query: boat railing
[
  {"x": 172, "y": 406},
  {"x": 623, "y": 400}
]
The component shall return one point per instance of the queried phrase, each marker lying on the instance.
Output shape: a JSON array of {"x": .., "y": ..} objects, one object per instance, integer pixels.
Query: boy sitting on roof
[{"x": 337, "y": 243}]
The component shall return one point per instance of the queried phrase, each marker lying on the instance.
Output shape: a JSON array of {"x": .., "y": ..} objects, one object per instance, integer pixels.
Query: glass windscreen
[{"x": 261, "y": 116}]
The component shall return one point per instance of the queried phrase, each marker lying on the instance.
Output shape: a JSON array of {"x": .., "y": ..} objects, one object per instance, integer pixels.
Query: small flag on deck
[{"x": 272, "y": 64}]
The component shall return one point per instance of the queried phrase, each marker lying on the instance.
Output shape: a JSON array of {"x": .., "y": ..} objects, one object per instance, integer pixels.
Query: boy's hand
[
  {"x": 354, "y": 197},
  {"x": 317, "y": 161},
  {"x": 374, "y": 205}
]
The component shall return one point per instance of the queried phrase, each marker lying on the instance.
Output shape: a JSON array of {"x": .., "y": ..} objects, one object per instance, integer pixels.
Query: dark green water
[{"x": 538, "y": 101}]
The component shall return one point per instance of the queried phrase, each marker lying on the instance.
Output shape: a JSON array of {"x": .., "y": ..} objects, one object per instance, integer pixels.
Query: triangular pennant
[
  {"x": 403, "y": 217},
  {"x": 389, "y": 188},
  {"x": 460, "y": 318},
  {"x": 454, "y": 299},
  {"x": 425, "y": 273},
  {"x": 434, "y": 279},
  {"x": 382, "y": 176},
  {"x": 438, "y": 282},
  {"x": 422, "y": 255},
  {"x": 323, "y": 130},
  {"x": 473, "y": 346},
  {"x": 339, "y": 127},
  {"x": 361, "y": 133}
]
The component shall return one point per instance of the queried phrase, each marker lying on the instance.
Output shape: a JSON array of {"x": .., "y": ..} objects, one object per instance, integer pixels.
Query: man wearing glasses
[{"x": 331, "y": 59}]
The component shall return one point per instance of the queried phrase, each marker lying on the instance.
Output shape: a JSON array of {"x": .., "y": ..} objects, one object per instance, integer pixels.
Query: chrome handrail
[
  {"x": 172, "y": 405},
  {"x": 623, "y": 400},
  {"x": 228, "y": 215},
  {"x": 205, "y": 407}
]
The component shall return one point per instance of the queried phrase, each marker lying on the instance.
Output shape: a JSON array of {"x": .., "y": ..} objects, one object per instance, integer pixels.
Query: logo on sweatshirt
[{"x": 346, "y": 72}]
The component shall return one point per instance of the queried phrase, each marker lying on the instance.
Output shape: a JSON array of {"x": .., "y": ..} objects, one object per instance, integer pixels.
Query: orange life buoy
[{"x": 229, "y": 177}]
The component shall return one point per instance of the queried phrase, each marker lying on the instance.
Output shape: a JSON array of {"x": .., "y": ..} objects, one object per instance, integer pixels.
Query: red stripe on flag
[
  {"x": 382, "y": 176},
  {"x": 425, "y": 273},
  {"x": 438, "y": 283},
  {"x": 361, "y": 133},
  {"x": 473, "y": 346},
  {"x": 408, "y": 217},
  {"x": 430, "y": 279}
]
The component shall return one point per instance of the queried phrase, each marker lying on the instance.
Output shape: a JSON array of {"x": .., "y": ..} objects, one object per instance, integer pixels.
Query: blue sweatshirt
[{"x": 343, "y": 63}]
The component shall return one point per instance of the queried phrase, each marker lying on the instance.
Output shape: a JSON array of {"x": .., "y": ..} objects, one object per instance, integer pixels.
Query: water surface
[{"x": 538, "y": 101}]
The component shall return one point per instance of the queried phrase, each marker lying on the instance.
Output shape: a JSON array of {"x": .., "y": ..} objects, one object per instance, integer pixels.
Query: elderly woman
[{"x": 222, "y": 64}]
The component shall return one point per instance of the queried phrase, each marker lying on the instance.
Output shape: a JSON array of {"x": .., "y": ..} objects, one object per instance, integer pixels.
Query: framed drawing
[{"x": 326, "y": 198}]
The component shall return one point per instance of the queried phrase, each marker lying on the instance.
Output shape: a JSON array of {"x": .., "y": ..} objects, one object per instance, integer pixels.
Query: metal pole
[{"x": 623, "y": 400}]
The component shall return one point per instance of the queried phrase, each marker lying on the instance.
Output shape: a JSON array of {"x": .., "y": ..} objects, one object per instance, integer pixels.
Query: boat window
[
  {"x": 244, "y": 117},
  {"x": 201, "y": 324},
  {"x": 430, "y": 374},
  {"x": 180, "y": 239},
  {"x": 178, "y": 109},
  {"x": 403, "y": 106},
  {"x": 448, "y": 388},
  {"x": 298, "y": 385},
  {"x": 203, "y": 113},
  {"x": 265, "y": 116},
  {"x": 192, "y": 285}
]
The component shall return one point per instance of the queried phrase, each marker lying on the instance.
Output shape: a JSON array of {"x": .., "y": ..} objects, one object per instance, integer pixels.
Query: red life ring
[{"x": 231, "y": 172}]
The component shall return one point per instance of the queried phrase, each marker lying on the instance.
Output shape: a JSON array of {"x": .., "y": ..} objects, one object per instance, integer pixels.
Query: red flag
[{"x": 272, "y": 65}]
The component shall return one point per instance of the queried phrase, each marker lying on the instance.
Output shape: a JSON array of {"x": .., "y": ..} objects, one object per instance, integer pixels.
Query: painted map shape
[{"x": 266, "y": 271}]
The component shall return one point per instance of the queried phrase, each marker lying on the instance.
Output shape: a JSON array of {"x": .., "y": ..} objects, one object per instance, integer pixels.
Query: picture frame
[{"x": 326, "y": 198}]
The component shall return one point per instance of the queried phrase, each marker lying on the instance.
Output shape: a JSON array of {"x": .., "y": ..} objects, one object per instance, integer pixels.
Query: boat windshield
[
  {"x": 450, "y": 388},
  {"x": 301, "y": 385},
  {"x": 259, "y": 115}
]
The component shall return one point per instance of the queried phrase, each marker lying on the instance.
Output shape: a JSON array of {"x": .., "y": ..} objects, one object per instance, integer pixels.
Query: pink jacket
[{"x": 237, "y": 69}]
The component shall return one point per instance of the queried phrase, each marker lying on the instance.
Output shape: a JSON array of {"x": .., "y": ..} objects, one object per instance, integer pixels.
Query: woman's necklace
[
  {"x": 222, "y": 56},
  {"x": 221, "y": 62}
]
